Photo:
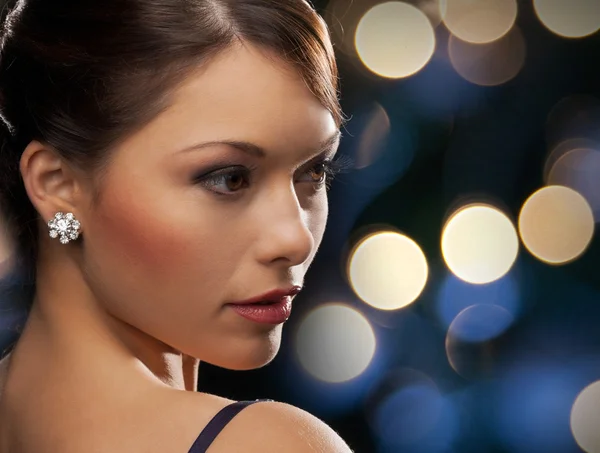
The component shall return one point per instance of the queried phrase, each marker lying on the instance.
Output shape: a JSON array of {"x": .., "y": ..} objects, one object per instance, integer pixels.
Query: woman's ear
[{"x": 50, "y": 182}]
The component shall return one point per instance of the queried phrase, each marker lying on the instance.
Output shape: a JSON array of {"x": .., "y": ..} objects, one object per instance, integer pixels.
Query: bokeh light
[
  {"x": 373, "y": 136},
  {"x": 532, "y": 402},
  {"x": 472, "y": 337},
  {"x": 393, "y": 152},
  {"x": 343, "y": 17},
  {"x": 433, "y": 9},
  {"x": 479, "y": 243},
  {"x": 569, "y": 19},
  {"x": 556, "y": 224},
  {"x": 564, "y": 147},
  {"x": 574, "y": 117},
  {"x": 439, "y": 92},
  {"x": 455, "y": 295},
  {"x": 409, "y": 413},
  {"x": 585, "y": 416},
  {"x": 395, "y": 39},
  {"x": 480, "y": 21},
  {"x": 579, "y": 169},
  {"x": 479, "y": 323},
  {"x": 335, "y": 343},
  {"x": 387, "y": 270},
  {"x": 488, "y": 64}
]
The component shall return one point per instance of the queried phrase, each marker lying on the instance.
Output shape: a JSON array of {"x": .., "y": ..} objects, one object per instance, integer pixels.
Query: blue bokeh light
[
  {"x": 416, "y": 418},
  {"x": 438, "y": 91},
  {"x": 479, "y": 323},
  {"x": 455, "y": 295},
  {"x": 533, "y": 404}
]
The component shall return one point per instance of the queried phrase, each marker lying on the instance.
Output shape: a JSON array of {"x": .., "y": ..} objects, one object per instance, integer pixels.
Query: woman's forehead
[
  {"x": 243, "y": 95},
  {"x": 245, "y": 77}
]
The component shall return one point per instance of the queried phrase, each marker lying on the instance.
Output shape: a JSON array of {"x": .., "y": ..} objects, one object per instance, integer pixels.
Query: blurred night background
[{"x": 454, "y": 305}]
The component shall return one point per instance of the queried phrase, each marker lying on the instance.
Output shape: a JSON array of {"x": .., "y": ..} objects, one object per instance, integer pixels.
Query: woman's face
[{"x": 180, "y": 233}]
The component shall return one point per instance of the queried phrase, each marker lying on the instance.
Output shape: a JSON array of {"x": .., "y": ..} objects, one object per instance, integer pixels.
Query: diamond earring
[{"x": 64, "y": 226}]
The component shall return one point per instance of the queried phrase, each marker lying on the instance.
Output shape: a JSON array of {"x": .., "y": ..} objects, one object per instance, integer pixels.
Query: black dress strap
[{"x": 217, "y": 423}]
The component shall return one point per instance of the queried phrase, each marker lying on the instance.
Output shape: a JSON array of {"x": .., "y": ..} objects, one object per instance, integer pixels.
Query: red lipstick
[{"x": 273, "y": 307}]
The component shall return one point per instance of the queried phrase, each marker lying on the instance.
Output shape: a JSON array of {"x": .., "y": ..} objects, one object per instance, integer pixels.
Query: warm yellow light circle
[
  {"x": 584, "y": 418},
  {"x": 480, "y": 244},
  {"x": 479, "y": 21},
  {"x": 335, "y": 343},
  {"x": 569, "y": 19},
  {"x": 556, "y": 224},
  {"x": 388, "y": 270},
  {"x": 394, "y": 39},
  {"x": 433, "y": 9}
]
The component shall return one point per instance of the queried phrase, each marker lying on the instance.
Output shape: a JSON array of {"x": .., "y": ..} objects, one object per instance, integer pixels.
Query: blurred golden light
[
  {"x": 479, "y": 244},
  {"x": 488, "y": 64},
  {"x": 569, "y": 19},
  {"x": 579, "y": 169},
  {"x": 479, "y": 21},
  {"x": 387, "y": 270},
  {"x": 556, "y": 224},
  {"x": 395, "y": 39},
  {"x": 433, "y": 9},
  {"x": 342, "y": 17},
  {"x": 584, "y": 418},
  {"x": 335, "y": 343}
]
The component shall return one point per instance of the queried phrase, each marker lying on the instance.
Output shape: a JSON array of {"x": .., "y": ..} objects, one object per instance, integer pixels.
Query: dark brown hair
[{"x": 83, "y": 75}]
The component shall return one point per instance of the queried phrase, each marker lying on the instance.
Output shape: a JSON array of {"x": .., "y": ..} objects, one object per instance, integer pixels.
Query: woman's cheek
[
  {"x": 157, "y": 237},
  {"x": 317, "y": 222}
]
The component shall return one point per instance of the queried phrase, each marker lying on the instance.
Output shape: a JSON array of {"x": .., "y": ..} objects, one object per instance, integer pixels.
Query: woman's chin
[{"x": 247, "y": 356}]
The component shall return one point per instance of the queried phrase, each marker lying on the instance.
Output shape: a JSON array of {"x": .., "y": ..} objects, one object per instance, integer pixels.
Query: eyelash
[{"x": 331, "y": 169}]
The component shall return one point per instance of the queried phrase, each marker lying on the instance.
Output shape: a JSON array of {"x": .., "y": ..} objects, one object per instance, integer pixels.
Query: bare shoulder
[
  {"x": 307, "y": 432},
  {"x": 170, "y": 421},
  {"x": 263, "y": 427},
  {"x": 270, "y": 427}
]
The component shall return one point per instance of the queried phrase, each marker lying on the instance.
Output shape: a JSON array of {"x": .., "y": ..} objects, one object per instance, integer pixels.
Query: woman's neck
[{"x": 68, "y": 317}]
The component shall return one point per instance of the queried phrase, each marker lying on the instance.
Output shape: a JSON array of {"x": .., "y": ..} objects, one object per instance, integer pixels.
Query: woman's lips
[
  {"x": 275, "y": 312},
  {"x": 273, "y": 295}
]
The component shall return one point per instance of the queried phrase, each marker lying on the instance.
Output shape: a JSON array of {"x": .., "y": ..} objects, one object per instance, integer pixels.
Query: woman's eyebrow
[{"x": 255, "y": 150}]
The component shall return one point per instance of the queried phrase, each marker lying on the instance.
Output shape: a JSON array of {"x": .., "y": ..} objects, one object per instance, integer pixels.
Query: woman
[{"x": 164, "y": 167}]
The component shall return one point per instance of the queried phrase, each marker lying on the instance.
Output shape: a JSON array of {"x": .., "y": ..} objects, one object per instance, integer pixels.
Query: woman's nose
[{"x": 285, "y": 234}]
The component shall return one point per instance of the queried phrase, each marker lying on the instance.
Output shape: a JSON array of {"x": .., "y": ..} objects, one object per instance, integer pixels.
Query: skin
[{"x": 133, "y": 309}]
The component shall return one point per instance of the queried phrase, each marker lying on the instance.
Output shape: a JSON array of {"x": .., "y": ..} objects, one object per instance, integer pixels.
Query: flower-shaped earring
[{"x": 64, "y": 226}]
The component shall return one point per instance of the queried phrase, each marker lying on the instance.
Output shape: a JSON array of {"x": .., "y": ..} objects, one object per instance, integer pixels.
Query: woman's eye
[
  {"x": 229, "y": 181},
  {"x": 318, "y": 173},
  {"x": 225, "y": 182},
  {"x": 322, "y": 173}
]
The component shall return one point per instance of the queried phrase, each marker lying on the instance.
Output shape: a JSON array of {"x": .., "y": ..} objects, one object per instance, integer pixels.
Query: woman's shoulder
[
  {"x": 295, "y": 430},
  {"x": 261, "y": 427},
  {"x": 169, "y": 420},
  {"x": 271, "y": 426}
]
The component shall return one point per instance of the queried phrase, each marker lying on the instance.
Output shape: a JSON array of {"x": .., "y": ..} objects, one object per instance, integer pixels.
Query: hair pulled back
[{"x": 83, "y": 75}]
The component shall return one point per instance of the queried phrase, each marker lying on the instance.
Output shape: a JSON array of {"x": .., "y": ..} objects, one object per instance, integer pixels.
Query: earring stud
[{"x": 64, "y": 226}]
